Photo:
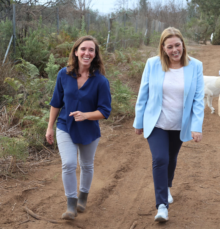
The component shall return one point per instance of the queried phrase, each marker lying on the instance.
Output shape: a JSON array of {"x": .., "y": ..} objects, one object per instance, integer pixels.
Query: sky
[
  {"x": 104, "y": 6},
  {"x": 108, "y": 6}
]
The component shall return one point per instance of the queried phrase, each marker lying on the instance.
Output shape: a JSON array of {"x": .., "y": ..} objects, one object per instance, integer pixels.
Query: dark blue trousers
[{"x": 164, "y": 146}]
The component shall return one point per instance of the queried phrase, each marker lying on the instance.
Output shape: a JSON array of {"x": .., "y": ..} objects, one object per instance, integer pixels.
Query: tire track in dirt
[
  {"x": 128, "y": 199},
  {"x": 120, "y": 173}
]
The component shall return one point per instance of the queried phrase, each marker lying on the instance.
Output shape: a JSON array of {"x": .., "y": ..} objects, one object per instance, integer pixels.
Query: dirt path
[{"x": 122, "y": 191}]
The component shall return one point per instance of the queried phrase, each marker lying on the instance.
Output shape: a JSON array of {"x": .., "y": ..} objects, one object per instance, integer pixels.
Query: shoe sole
[
  {"x": 161, "y": 219},
  {"x": 68, "y": 216},
  {"x": 170, "y": 202},
  {"x": 80, "y": 208}
]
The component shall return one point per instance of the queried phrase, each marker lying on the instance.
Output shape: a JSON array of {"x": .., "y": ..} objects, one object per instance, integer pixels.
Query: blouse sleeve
[
  {"x": 104, "y": 99},
  {"x": 57, "y": 99}
]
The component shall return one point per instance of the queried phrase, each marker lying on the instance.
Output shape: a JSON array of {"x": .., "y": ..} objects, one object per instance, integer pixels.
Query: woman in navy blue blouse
[{"x": 81, "y": 97}]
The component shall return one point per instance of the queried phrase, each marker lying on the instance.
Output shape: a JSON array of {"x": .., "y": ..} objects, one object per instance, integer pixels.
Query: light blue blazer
[{"x": 149, "y": 101}]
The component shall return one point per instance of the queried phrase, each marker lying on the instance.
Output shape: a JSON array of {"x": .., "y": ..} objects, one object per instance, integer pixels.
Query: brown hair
[
  {"x": 96, "y": 64},
  {"x": 165, "y": 61}
]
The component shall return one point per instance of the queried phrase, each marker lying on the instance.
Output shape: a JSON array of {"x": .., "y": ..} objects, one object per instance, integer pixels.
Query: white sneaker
[
  {"x": 162, "y": 214},
  {"x": 170, "y": 198}
]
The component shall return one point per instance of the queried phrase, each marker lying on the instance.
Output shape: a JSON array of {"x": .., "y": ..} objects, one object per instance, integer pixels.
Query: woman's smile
[
  {"x": 86, "y": 53},
  {"x": 173, "y": 48}
]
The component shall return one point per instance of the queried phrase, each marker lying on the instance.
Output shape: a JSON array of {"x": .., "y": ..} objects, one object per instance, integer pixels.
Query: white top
[{"x": 172, "y": 106}]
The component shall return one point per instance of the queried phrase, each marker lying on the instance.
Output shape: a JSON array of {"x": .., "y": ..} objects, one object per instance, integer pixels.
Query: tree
[
  {"x": 210, "y": 11},
  {"x": 5, "y": 9},
  {"x": 210, "y": 8},
  {"x": 216, "y": 37},
  {"x": 4, "y": 4},
  {"x": 192, "y": 11},
  {"x": 143, "y": 6},
  {"x": 122, "y": 5},
  {"x": 82, "y": 5}
]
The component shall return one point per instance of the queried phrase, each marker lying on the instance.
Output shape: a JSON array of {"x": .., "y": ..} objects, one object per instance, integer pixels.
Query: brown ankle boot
[
  {"x": 71, "y": 211},
  {"x": 82, "y": 200}
]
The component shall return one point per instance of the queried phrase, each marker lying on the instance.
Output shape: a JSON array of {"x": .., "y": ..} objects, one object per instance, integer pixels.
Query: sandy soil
[{"x": 122, "y": 192}]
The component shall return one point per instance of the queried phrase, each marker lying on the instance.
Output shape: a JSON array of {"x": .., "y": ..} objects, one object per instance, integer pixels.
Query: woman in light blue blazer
[{"x": 169, "y": 110}]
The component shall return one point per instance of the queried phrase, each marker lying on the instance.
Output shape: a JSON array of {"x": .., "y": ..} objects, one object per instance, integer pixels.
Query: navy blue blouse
[{"x": 93, "y": 95}]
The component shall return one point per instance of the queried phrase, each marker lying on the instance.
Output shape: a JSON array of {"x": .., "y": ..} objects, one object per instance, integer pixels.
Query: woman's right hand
[
  {"x": 50, "y": 135},
  {"x": 138, "y": 131}
]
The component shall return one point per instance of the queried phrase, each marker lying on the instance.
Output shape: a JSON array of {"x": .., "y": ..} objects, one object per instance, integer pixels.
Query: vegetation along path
[{"x": 122, "y": 193}]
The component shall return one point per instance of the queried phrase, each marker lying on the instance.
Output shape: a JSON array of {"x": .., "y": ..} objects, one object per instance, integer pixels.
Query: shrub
[
  {"x": 72, "y": 31},
  {"x": 34, "y": 48},
  {"x": 154, "y": 39},
  {"x": 35, "y": 131},
  {"x": 27, "y": 68},
  {"x": 82, "y": 31},
  {"x": 5, "y": 71},
  {"x": 62, "y": 52},
  {"x": 216, "y": 36},
  {"x": 122, "y": 37},
  {"x": 136, "y": 69},
  {"x": 5, "y": 36},
  {"x": 15, "y": 147},
  {"x": 51, "y": 70},
  {"x": 64, "y": 49},
  {"x": 198, "y": 30},
  {"x": 112, "y": 73},
  {"x": 28, "y": 89},
  {"x": 121, "y": 98}
]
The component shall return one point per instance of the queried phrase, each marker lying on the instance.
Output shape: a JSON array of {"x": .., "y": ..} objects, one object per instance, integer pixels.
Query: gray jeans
[{"x": 68, "y": 152}]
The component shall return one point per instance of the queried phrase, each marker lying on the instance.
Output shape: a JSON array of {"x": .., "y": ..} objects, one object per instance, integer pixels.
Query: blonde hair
[{"x": 165, "y": 61}]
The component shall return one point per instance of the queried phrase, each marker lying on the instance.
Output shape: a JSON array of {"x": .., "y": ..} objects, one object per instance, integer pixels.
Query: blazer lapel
[
  {"x": 160, "y": 78},
  {"x": 188, "y": 74}
]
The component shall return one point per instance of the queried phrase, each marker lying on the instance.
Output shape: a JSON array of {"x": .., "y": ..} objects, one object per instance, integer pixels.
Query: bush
[
  {"x": 154, "y": 39},
  {"x": 28, "y": 90},
  {"x": 35, "y": 131},
  {"x": 5, "y": 36},
  {"x": 136, "y": 69},
  {"x": 51, "y": 70},
  {"x": 61, "y": 53},
  {"x": 15, "y": 147},
  {"x": 27, "y": 69},
  {"x": 34, "y": 48},
  {"x": 5, "y": 71},
  {"x": 124, "y": 37},
  {"x": 121, "y": 98},
  {"x": 198, "y": 30},
  {"x": 216, "y": 36},
  {"x": 69, "y": 29}
]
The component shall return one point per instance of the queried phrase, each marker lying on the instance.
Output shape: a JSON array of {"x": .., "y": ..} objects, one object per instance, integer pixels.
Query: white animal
[
  {"x": 212, "y": 89},
  {"x": 211, "y": 37}
]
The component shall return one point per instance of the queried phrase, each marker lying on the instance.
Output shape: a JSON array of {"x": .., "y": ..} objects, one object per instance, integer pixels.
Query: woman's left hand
[
  {"x": 78, "y": 116},
  {"x": 197, "y": 137}
]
